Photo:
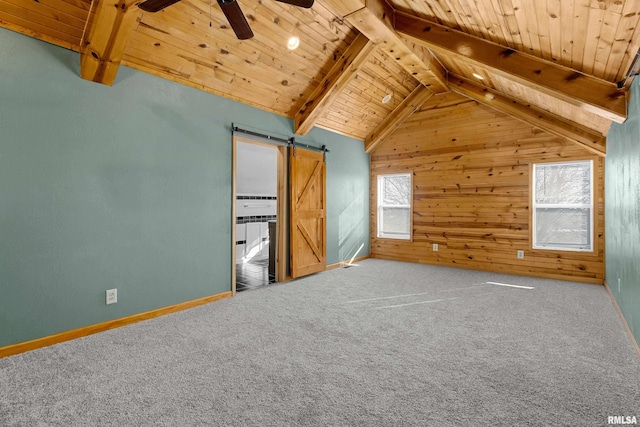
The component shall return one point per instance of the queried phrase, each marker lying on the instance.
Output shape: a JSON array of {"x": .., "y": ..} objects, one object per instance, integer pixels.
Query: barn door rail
[{"x": 291, "y": 142}]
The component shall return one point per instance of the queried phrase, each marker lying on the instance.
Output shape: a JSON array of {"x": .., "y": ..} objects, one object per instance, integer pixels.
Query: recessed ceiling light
[
  {"x": 293, "y": 43},
  {"x": 478, "y": 76},
  {"x": 386, "y": 98}
]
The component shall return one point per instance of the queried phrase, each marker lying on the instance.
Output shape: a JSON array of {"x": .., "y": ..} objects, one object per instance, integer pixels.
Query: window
[
  {"x": 394, "y": 206},
  {"x": 563, "y": 206}
]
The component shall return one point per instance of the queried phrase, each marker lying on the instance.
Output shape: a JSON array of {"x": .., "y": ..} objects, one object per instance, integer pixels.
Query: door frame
[{"x": 282, "y": 211}]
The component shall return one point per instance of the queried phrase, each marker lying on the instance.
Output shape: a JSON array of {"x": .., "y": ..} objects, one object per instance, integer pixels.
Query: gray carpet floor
[{"x": 378, "y": 344}]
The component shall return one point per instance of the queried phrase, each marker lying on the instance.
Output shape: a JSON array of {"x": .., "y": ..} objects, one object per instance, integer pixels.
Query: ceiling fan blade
[
  {"x": 236, "y": 18},
  {"x": 155, "y": 5},
  {"x": 299, "y": 3}
]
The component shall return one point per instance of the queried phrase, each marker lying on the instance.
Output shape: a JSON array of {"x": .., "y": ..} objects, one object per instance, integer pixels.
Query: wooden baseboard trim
[
  {"x": 486, "y": 268},
  {"x": 344, "y": 263},
  {"x": 622, "y": 318},
  {"x": 105, "y": 326}
]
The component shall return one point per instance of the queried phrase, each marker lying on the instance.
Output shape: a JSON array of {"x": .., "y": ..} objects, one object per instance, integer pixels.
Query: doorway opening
[{"x": 259, "y": 214}]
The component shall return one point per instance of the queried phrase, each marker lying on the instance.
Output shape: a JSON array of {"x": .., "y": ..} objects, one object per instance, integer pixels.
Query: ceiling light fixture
[
  {"x": 293, "y": 43},
  {"x": 478, "y": 76},
  {"x": 388, "y": 90}
]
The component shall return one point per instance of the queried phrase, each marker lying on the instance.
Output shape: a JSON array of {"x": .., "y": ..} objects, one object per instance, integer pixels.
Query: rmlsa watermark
[{"x": 622, "y": 420}]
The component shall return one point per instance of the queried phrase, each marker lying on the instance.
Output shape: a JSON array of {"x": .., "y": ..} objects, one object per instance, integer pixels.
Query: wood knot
[{"x": 573, "y": 76}]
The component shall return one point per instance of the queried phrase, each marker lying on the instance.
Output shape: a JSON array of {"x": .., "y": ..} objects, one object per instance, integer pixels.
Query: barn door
[{"x": 308, "y": 207}]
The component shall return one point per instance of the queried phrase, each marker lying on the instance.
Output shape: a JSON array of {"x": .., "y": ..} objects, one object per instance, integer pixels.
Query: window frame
[
  {"x": 591, "y": 246},
  {"x": 380, "y": 234}
]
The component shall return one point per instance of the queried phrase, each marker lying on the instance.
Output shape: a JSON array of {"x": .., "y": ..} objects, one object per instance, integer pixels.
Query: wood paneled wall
[{"x": 471, "y": 192}]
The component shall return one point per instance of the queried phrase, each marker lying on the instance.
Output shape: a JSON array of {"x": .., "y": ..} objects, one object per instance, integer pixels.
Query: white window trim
[
  {"x": 379, "y": 217},
  {"x": 590, "y": 206}
]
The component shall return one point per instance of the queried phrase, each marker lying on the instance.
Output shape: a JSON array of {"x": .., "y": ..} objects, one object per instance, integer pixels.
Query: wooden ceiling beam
[
  {"x": 402, "y": 112},
  {"x": 343, "y": 8},
  {"x": 374, "y": 19},
  {"x": 333, "y": 84},
  {"x": 587, "y": 138},
  {"x": 107, "y": 34},
  {"x": 590, "y": 93}
]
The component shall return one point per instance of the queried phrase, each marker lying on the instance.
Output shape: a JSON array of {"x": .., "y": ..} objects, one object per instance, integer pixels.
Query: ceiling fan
[{"x": 230, "y": 8}]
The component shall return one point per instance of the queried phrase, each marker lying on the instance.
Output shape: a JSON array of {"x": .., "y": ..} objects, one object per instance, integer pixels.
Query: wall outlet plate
[
  {"x": 520, "y": 254},
  {"x": 435, "y": 247},
  {"x": 112, "y": 296}
]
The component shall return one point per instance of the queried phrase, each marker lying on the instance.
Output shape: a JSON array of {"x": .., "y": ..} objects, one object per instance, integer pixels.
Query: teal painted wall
[
  {"x": 127, "y": 187},
  {"x": 622, "y": 212}
]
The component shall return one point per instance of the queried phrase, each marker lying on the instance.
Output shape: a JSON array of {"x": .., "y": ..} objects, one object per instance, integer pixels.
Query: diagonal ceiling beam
[
  {"x": 410, "y": 105},
  {"x": 336, "y": 80},
  {"x": 374, "y": 19},
  {"x": 343, "y": 8},
  {"x": 590, "y": 93},
  {"x": 106, "y": 37},
  {"x": 555, "y": 125}
]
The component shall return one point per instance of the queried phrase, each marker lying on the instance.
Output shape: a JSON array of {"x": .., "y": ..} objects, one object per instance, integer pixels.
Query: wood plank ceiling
[{"x": 561, "y": 65}]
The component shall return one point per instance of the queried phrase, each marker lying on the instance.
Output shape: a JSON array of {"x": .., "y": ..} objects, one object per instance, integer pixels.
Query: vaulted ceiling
[{"x": 561, "y": 65}]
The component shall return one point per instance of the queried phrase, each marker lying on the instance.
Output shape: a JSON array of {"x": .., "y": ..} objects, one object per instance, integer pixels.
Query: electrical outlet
[
  {"x": 520, "y": 254},
  {"x": 112, "y": 296},
  {"x": 435, "y": 247}
]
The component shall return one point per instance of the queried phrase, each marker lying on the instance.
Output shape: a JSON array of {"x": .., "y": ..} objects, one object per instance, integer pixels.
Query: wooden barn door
[{"x": 308, "y": 208}]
